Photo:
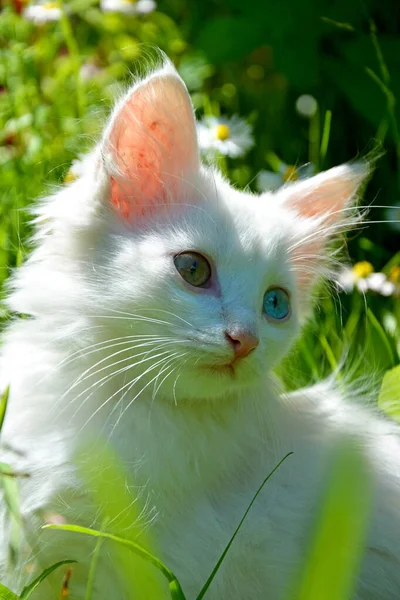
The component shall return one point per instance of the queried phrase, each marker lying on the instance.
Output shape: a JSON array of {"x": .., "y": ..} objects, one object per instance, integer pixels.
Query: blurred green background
[{"x": 62, "y": 65}]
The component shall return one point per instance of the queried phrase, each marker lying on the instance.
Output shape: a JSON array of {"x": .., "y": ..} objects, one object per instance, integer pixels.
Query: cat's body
[{"x": 196, "y": 431}]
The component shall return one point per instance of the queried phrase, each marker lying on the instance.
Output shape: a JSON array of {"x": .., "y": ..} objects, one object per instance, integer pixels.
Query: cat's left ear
[
  {"x": 150, "y": 146},
  {"x": 325, "y": 205}
]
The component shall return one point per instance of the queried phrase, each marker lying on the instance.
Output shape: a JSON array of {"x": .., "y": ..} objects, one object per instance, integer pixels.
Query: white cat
[{"x": 158, "y": 301}]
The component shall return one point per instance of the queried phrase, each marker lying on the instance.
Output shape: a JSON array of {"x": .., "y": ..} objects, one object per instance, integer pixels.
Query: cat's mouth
[{"x": 224, "y": 369}]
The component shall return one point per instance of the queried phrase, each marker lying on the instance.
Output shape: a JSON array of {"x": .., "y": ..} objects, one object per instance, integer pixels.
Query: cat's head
[{"x": 200, "y": 289}]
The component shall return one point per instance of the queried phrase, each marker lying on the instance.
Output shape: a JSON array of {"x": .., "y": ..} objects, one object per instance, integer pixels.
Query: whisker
[
  {"x": 88, "y": 372},
  {"x": 166, "y": 365},
  {"x": 176, "y": 381},
  {"x": 157, "y": 386},
  {"x": 324, "y": 232},
  {"x": 170, "y": 313},
  {"x": 99, "y": 345},
  {"x": 130, "y": 385},
  {"x": 167, "y": 312},
  {"x": 155, "y": 391},
  {"x": 133, "y": 317},
  {"x": 108, "y": 378},
  {"x": 102, "y": 380}
]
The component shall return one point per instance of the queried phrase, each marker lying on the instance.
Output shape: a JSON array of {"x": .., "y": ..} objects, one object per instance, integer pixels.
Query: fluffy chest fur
[{"x": 197, "y": 471}]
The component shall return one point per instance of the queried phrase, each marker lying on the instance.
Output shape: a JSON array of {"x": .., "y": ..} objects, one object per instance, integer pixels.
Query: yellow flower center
[
  {"x": 50, "y": 5},
  {"x": 222, "y": 132},
  {"x": 290, "y": 173},
  {"x": 394, "y": 274},
  {"x": 70, "y": 176},
  {"x": 362, "y": 269}
]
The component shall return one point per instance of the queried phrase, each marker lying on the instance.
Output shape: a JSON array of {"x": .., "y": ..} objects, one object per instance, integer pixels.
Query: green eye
[
  {"x": 193, "y": 268},
  {"x": 276, "y": 304}
]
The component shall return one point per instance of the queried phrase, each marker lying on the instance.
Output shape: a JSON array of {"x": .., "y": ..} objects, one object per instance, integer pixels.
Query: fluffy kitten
[{"x": 159, "y": 299}]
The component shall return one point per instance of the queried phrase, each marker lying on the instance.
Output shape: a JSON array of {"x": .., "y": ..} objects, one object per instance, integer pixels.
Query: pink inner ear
[
  {"x": 154, "y": 146},
  {"x": 323, "y": 202},
  {"x": 326, "y": 194}
]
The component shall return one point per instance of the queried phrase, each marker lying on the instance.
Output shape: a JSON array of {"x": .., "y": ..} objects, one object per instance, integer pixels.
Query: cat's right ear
[{"x": 150, "y": 146}]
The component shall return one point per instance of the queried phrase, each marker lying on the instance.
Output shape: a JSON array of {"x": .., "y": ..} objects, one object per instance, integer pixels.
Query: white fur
[{"x": 200, "y": 446}]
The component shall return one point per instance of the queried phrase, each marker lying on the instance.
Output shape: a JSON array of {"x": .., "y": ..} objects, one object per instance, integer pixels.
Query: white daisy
[
  {"x": 362, "y": 277},
  {"x": 268, "y": 181},
  {"x": 393, "y": 217},
  {"x": 355, "y": 277},
  {"x": 128, "y": 7},
  {"x": 43, "y": 13},
  {"x": 229, "y": 136},
  {"x": 379, "y": 283}
]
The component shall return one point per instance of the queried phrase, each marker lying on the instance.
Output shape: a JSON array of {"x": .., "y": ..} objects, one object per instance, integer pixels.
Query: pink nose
[{"x": 243, "y": 342}]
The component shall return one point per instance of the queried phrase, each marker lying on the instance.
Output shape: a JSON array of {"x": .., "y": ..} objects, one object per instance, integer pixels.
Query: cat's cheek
[{"x": 279, "y": 339}]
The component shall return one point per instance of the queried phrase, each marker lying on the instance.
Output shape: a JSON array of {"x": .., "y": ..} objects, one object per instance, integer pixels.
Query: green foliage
[
  {"x": 120, "y": 515},
  {"x": 29, "y": 589},
  {"x": 10, "y": 490},
  {"x": 123, "y": 505},
  {"x": 6, "y": 594},
  {"x": 3, "y": 405},
  {"x": 8, "y": 481},
  {"x": 335, "y": 552},
  {"x": 389, "y": 397},
  {"x": 207, "y": 584},
  {"x": 173, "y": 584}
]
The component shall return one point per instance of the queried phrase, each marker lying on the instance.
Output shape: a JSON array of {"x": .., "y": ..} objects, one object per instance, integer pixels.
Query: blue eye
[{"x": 276, "y": 304}]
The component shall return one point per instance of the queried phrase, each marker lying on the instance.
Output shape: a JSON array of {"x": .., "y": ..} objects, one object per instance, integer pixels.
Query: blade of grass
[
  {"x": 174, "y": 585},
  {"x": 382, "y": 337},
  {"x": 29, "y": 589},
  {"x": 336, "y": 551},
  {"x": 379, "y": 55},
  {"x": 3, "y": 405},
  {"x": 273, "y": 160},
  {"x": 309, "y": 359},
  {"x": 225, "y": 552},
  {"x": 314, "y": 140},
  {"x": 338, "y": 24},
  {"x": 123, "y": 511},
  {"x": 333, "y": 363},
  {"x": 393, "y": 262},
  {"x": 391, "y": 104},
  {"x": 384, "y": 85},
  {"x": 6, "y": 594},
  {"x": 389, "y": 395},
  {"x": 93, "y": 566},
  {"x": 326, "y": 131},
  {"x": 11, "y": 498}
]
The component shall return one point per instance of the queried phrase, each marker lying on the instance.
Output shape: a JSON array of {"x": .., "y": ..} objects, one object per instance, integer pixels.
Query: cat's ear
[
  {"x": 150, "y": 146},
  {"x": 326, "y": 207}
]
